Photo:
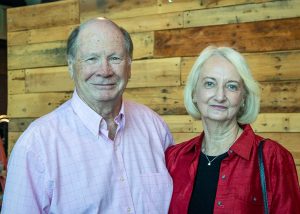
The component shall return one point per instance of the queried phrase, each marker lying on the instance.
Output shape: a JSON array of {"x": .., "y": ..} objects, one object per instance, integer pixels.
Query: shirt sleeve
[
  {"x": 285, "y": 188},
  {"x": 169, "y": 141},
  {"x": 25, "y": 190}
]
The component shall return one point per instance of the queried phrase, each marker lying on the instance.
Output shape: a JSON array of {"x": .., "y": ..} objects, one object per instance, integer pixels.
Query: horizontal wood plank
[
  {"x": 289, "y": 140},
  {"x": 166, "y": 6},
  {"x": 143, "y": 44},
  {"x": 39, "y": 35},
  {"x": 276, "y": 98},
  {"x": 266, "y": 122},
  {"x": 12, "y": 139},
  {"x": 268, "y": 66},
  {"x": 52, "y": 79},
  {"x": 145, "y": 73},
  {"x": 37, "y": 55},
  {"x": 116, "y": 9},
  {"x": 242, "y": 13},
  {"x": 43, "y": 15},
  {"x": 34, "y": 105},
  {"x": 16, "y": 82},
  {"x": 121, "y": 9},
  {"x": 151, "y": 22},
  {"x": 19, "y": 124},
  {"x": 155, "y": 72},
  {"x": 280, "y": 97},
  {"x": 262, "y": 36},
  {"x": 49, "y": 54}
]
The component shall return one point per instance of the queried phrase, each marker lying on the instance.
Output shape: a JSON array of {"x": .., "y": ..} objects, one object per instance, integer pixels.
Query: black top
[{"x": 205, "y": 186}]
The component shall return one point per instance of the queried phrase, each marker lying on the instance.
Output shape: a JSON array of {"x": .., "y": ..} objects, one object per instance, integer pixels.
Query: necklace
[{"x": 210, "y": 161}]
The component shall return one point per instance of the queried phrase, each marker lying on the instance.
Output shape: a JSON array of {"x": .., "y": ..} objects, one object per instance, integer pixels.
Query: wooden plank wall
[{"x": 168, "y": 35}]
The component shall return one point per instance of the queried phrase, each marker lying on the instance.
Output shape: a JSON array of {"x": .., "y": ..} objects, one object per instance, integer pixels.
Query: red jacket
[{"x": 239, "y": 189}]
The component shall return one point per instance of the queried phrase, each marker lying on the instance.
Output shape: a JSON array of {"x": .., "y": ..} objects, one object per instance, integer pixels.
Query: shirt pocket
[
  {"x": 157, "y": 192},
  {"x": 250, "y": 200}
]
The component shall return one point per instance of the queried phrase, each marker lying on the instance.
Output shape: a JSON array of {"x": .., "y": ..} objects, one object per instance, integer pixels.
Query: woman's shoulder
[
  {"x": 183, "y": 147},
  {"x": 274, "y": 149}
]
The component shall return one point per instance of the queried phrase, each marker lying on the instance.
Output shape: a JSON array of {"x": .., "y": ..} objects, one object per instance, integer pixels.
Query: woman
[{"x": 218, "y": 172}]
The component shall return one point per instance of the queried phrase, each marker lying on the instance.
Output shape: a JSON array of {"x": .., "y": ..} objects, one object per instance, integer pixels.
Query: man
[{"x": 97, "y": 153}]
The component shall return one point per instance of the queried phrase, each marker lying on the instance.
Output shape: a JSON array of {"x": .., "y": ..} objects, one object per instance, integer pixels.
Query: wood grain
[
  {"x": 260, "y": 36},
  {"x": 43, "y": 15}
]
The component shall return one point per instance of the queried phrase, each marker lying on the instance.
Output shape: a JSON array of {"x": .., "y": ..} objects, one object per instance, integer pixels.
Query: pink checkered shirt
[{"x": 65, "y": 163}]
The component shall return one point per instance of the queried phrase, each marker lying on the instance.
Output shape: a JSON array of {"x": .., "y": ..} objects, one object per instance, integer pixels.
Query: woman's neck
[{"x": 219, "y": 137}]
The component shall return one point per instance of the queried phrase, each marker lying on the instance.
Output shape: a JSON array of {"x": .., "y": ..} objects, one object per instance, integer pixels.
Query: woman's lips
[{"x": 219, "y": 107}]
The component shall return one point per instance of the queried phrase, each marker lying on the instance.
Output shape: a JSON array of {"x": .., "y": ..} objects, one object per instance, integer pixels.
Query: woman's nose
[{"x": 220, "y": 94}]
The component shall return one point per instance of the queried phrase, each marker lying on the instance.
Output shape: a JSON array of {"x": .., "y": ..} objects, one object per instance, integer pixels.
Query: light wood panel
[
  {"x": 242, "y": 13},
  {"x": 267, "y": 66},
  {"x": 49, "y": 54},
  {"x": 143, "y": 44},
  {"x": 121, "y": 9},
  {"x": 34, "y": 105},
  {"x": 276, "y": 97},
  {"x": 52, "y": 79},
  {"x": 151, "y": 22},
  {"x": 166, "y": 6},
  {"x": 155, "y": 73},
  {"x": 43, "y": 15},
  {"x": 37, "y": 55},
  {"x": 12, "y": 139},
  {"x": 39, "y": 35},
  {"x": 145, "y": 73},
  {"x": 289, "y": 140},
  {"x": 16, "y": 82},
  {"x": 265, "y": 122},
  {"x": 116, "y": 9}
]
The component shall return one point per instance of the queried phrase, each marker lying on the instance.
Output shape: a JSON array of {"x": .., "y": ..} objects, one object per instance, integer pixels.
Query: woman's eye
[
  {"x": 232, "y": 87},
  {"x": 209, "y": 84}
]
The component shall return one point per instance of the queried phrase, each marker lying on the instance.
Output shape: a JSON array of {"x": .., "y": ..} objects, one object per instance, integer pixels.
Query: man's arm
[{"x": 25, "y": 190}]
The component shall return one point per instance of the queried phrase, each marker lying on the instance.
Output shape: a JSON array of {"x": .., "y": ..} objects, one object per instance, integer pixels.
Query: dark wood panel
[{"x": 246, "y": 37}]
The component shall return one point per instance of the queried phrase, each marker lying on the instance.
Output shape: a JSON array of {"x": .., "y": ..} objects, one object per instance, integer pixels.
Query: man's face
[{"x": 102, "y": 66}]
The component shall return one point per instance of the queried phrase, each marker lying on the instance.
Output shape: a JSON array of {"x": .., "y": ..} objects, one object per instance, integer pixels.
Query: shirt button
[
  {"x": 128, "y": 210},
  {"x": 122, "y": 179},
  {"x": 220, "y": 203},
  {"x": 230, "y": 151},
  {"x": 223, "y": 177},
  {"x": 254, "y": 199}
]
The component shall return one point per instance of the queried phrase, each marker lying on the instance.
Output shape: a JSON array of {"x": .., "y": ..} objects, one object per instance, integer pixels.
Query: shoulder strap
[{"x": 262, "y": 176}]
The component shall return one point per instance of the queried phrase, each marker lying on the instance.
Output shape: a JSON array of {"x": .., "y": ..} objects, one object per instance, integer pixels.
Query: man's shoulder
[
  {"x": 43, "y": 123},
  {"x": 135, "y": 108},
  {"x": 140, "y": 114}
]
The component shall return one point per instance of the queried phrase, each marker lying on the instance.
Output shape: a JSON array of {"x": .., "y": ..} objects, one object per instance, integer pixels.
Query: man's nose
[{"x": 104, "y": 68}]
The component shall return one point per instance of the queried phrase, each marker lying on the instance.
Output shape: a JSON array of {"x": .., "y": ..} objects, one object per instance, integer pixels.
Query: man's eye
[
  {"x": 91, "y": 60},
  {"x": 115, "y": 60}
]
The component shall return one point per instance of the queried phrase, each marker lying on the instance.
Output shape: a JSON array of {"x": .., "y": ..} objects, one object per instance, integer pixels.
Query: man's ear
[
  {"x": 129, "y": 69},
  {"x": 70, "y": 68}
]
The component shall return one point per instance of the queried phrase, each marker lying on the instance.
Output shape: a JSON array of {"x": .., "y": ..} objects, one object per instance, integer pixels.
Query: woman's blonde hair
[{"x": 250, "y": 109}]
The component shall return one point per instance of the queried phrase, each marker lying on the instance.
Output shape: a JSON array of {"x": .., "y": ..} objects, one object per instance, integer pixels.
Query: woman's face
[{"x": 219, "y": 91}]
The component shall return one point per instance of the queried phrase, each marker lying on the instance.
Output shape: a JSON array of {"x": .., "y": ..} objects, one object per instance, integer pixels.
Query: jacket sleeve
[{"x": 285, "y": 190}]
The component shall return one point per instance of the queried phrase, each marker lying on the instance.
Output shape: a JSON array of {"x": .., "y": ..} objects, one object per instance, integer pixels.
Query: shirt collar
[
  {"x": 242, "y": 146},
  {"x": 91, "y": 119}
]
